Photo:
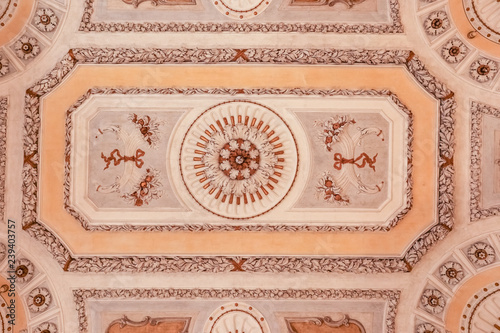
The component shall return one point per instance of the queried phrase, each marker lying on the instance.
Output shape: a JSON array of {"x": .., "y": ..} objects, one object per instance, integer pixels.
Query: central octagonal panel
[{"x": 233, "y": 159}]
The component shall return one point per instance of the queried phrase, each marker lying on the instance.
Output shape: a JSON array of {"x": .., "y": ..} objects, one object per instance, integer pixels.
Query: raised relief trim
[
  {"x": 341, "y": 324},
  {"x": 148, "y": 321},
  {"x": 477, "y": 211},
  {"x": 405, "y": 58}
]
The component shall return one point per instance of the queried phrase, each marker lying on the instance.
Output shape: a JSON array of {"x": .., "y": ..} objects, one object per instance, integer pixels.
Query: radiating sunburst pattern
[{"x": 239, "y": 159}]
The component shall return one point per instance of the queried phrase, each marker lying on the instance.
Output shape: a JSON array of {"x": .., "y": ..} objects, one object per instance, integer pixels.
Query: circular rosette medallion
[
  {"x": 241, "y": 9},
  {"x": 239, "y": 159}
]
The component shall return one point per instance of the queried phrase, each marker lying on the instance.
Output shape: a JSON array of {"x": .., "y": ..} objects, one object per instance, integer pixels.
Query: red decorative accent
[
  {"x": 240, "y": 53},
  {"x": 143, "y": 190},
  {"x": 365, "y": 159},
  {"x": 334, "y": 129},
  {"x": 28, "y": 159},
  {"x": 238, "y": 266},
  {"x": 145, "y": 127},
  {"x": 330, "y": 192},
  {"x": 447, "y": 161},
  {"x": 116, "y": 161}
]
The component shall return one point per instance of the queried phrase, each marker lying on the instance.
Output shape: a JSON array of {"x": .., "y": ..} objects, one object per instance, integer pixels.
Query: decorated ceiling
[{"x": 258, "y": 166}]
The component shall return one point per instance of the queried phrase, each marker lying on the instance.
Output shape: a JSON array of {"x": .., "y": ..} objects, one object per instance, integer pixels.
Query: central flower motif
[
  {"x": 39, "y": 300},
  {"x": 433, "y": 301},
  {"x": 239, "y": 159},
  {"x": 21, "y": 271},
  {"x": 26, "y": 47}
]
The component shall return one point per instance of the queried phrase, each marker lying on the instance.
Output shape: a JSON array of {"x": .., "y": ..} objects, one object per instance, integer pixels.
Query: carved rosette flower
[
  {"x": 426, "y": 328},
  {"x": 4, "y": 66},
  {"x": 239, "y": 160},
  {"x": 481, "y": 254},
  {"x": 454, "y": 51},
  {"x": 27, "y": 47},
  {"x": 327, "y": 189},
  {"x": 483, "y": 70},
  {"x": 46, "y": 20},
  {"x": 46, "y": 327},
  {"x": 451, "y": 272},
  {"x": 39, "y": 300},
  {"x": 24, "y": 270},
  {"x": 433, "y": 301},
  {"x": 436, "y": 23}
]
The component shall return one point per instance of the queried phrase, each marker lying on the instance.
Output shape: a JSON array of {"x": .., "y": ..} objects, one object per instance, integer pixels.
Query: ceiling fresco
[{"x": 258, "y": 166}]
